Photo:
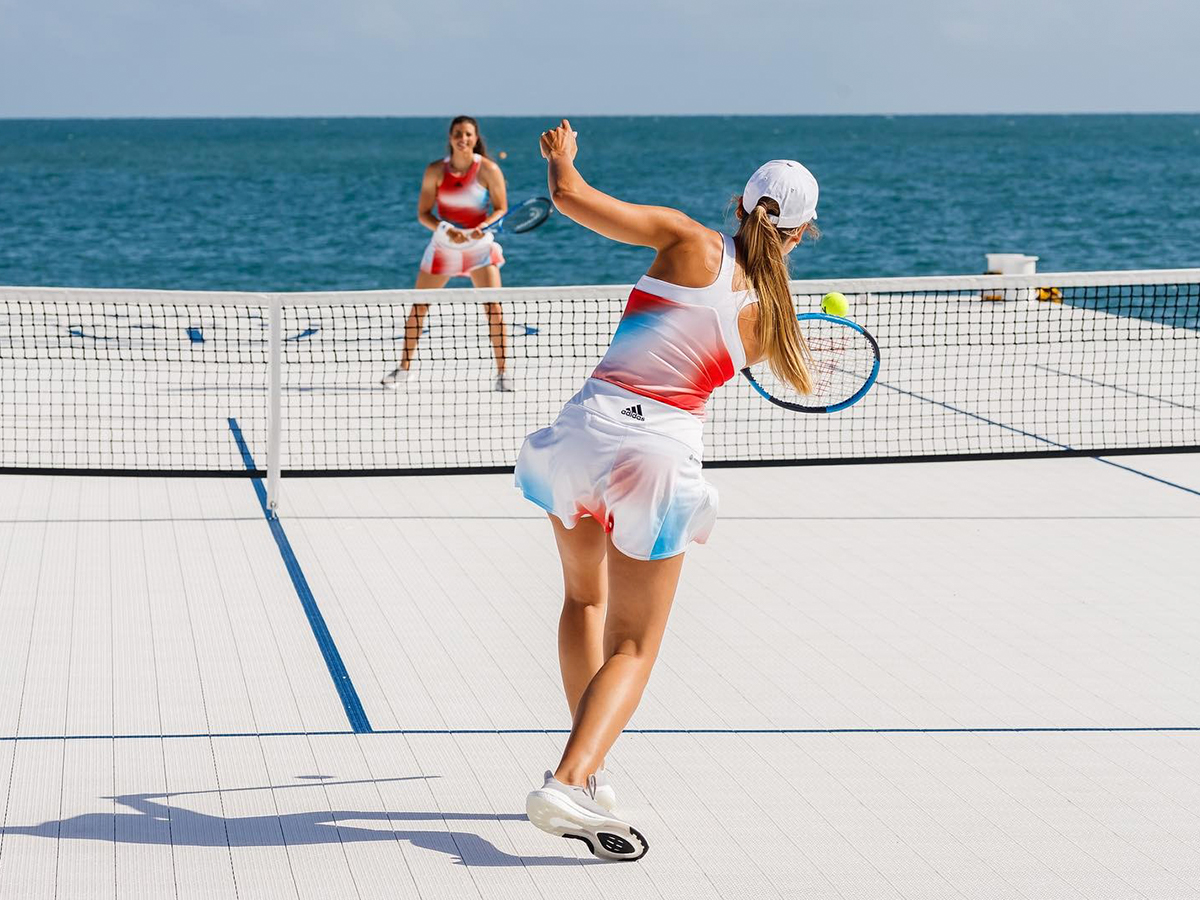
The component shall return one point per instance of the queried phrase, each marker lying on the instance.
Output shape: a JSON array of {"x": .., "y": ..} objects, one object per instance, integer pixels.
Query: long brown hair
[
  {"x": 480, "y": 147},
  {"x": 760, "y": 248}
]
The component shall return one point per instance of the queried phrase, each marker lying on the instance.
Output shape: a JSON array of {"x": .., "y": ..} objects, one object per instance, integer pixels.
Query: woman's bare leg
[
  {"x": 486, "y": 277},
  {"x": 585, "y": 594},
  {"x": 416, "y": 316},
  {"x": 640, "y": 594}
]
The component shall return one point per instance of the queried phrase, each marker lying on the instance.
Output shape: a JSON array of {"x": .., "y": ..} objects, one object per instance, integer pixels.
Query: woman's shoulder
[
  {"x": 689, "y": 231},
  {"x": 695, "y": 258},
  {"x": 713, "y": 241},
  {"x": 488, "y": 166},
  {"x": 693, "y": 239}
]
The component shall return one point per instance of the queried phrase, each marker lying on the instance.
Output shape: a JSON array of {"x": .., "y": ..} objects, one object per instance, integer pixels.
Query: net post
[{"x": 274, "y": 403}]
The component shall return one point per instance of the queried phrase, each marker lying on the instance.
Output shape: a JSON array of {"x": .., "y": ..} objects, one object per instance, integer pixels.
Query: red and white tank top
[
  {"x": 461, "y": 199},
  {"x": 678, "y": 344}
]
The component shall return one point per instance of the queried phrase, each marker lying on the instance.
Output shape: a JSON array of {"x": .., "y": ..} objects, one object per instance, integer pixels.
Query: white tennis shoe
[
  {"x": 394, "y": 379},
  {"x": 572, "y": 812},
  {"x": 504, "y": 382},
  {"x": 605, "y": 795}
]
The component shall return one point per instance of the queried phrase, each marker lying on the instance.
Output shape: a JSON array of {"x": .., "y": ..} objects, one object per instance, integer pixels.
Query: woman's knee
[
  {"x": 578, "y": 597},
  {"x": 641, "y": 649},
  {"x": 486, "y": 276}
]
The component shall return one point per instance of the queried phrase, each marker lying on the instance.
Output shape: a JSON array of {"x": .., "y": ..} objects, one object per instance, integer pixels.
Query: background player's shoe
[
  {"x": 395, "y": 378},
  {"x": 504, "y": 382}
]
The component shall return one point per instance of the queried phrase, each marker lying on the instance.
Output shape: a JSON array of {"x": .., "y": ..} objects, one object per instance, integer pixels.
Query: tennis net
[{"x": 166, "y": 382}]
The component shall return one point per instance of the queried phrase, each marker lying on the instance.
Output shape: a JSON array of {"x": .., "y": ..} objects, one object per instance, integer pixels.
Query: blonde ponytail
[{"x": 760, "y": 248}]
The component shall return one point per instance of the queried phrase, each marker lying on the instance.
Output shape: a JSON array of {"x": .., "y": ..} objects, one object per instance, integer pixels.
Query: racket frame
[
  {"x": 498, "y": 225},
  {"x": 854, "y": 398}
]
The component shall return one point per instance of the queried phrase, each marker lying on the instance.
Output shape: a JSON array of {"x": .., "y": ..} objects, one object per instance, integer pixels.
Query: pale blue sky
[{"x": 552, "y": 57}]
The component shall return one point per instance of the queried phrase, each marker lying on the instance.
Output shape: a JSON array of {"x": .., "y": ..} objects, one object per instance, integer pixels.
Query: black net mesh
[
  {"x": 157, "y": 382},
  {"x": 129, "y": 382}
]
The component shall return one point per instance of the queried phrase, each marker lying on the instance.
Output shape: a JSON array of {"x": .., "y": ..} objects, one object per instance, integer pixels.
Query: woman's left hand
[
  {"x": 559, "y": 141},
  {"x": 476, "y": 234}
]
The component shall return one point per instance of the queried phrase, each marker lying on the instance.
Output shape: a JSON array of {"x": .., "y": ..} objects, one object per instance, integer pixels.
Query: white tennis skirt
[
  {"x": 444, "y": 257},
  {"x": 629, "y": 462}
]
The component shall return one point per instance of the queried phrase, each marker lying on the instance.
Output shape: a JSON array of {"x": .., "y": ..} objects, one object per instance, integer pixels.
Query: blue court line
[
  {"x": 1036, "y": 437},
  {"x": 1114, "y": 387},
  {"x": 329, "y": 650},
  {"x": 1041, "y": 729},
  {"x": 1117, "y": 465},
  {"x": 78, "y": 332}
]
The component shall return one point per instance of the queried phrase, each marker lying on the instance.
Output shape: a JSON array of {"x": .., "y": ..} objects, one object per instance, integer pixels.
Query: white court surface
[{"x": 926, "y": 680}]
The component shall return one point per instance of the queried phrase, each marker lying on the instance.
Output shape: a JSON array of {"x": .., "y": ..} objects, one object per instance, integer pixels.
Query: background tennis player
[
  {"x": 463, "y": 186},
  {"x": 619, "y": 469}
]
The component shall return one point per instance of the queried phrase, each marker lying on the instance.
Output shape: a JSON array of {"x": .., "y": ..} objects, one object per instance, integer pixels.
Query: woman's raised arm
[{"x": 646, "y": 226}]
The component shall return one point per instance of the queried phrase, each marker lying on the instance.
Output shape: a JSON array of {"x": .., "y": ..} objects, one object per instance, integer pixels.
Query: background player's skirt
[{"x": 444, "y": 257}]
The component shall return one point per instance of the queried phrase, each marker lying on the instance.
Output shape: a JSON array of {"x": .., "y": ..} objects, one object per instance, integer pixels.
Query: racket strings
[
  {"x": 528, "y": 216},
  {"x": 841, "y": 361}
]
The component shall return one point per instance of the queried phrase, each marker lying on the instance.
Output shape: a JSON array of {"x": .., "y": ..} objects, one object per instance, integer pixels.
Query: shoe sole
[{"x": 606, "y": 838}]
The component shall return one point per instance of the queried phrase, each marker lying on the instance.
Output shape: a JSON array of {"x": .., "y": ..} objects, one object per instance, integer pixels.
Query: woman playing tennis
[
  {"x": 619, "y": 470},
  {"x": 462, "y": 185}
]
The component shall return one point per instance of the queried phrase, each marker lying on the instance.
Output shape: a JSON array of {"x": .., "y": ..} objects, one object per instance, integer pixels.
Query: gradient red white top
[
  {"x": 461, "y": 199},
  {"x": 678, "y": 344}
]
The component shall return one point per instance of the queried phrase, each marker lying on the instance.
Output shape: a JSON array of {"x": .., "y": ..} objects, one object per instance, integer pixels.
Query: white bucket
[{"x": 1011, "y": 264}]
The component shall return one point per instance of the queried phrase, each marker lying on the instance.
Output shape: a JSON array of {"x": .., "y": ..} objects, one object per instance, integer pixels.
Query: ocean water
[{"x": 329, "y": 204}]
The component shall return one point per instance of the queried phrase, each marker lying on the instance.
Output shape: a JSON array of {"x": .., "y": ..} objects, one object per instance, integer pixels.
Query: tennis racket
[
  {"x": 845, "y": 363},
  {"x": 523, "y": 217}
]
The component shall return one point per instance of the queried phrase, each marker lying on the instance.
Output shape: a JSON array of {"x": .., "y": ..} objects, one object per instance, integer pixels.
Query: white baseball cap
[{"x": 790, "y": 185}]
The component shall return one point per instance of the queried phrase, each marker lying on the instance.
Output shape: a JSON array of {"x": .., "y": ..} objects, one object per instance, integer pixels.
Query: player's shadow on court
[{"x": 155, "y": 820}]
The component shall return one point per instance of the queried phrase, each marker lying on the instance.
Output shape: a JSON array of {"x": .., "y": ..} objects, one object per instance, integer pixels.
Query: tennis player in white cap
[{"x": 619, "y": 469}]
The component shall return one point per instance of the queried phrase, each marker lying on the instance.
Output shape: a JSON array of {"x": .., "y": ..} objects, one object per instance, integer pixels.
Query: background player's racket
[
  {"x": 845, "y": 365},
  {"x": 523, "y": 217}
]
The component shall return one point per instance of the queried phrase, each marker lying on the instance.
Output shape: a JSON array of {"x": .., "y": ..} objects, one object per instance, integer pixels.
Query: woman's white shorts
[
  {"x": 643, "y": 484},
  {"x": 444, "y": 257}
]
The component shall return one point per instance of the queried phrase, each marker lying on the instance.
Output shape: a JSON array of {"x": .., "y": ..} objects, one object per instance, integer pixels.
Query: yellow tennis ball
[{"x": 835, "y": 304}]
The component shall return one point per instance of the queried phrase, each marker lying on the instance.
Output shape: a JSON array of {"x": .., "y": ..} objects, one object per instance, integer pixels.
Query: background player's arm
[
  {"x": 492, "y": 178},
  {"x": 429, "y": 186},
  {"x": 646, "y": 226}
]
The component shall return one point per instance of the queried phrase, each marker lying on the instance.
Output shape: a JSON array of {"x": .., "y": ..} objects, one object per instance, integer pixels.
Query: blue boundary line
[
  {"x": 329, "y": 650},
  {"x": 1036, "y": 437},
  {"x": 1114, "y": 387},
  {"x": 1117, "y": 465},
  {"x": 1040, "y": 729}
]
